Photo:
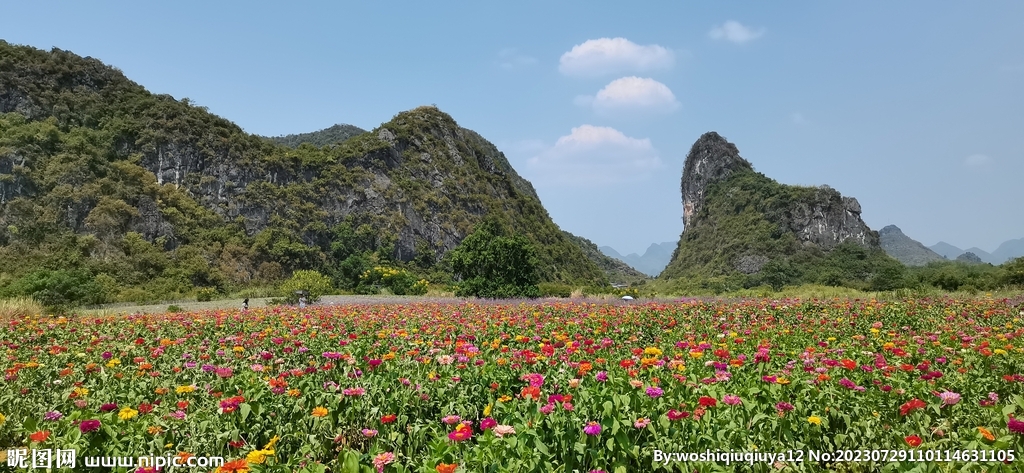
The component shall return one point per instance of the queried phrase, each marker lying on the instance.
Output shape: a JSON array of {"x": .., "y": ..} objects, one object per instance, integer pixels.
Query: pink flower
[
  {"x": 503, "y": 430},
  {"x": 592, "y": 428},
  {"x": 547, "y": 408},
  {"x": 224, "y": 372},
  {"x": 732, "y": 399},
  {"x": 655, "y": 391},
  {"x": 353, "y": 392},
  {"x": 642, "y": 423},
  {"x": 488, "y": 423},
  {"x": 369, "y": 433},
  {"x": 949, "y": 398},
  {"x": 451, "y": 420},
  {"x": 383, "y": 459}
]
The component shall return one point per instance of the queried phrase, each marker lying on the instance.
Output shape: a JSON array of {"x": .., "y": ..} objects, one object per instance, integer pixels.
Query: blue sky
[{"x": 915, "y": 108}]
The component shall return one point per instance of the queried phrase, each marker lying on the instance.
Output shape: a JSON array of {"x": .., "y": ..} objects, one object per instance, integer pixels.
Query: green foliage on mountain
[
  {"x": 328, "y": 136},
  {"x": 149, "y": 198},
  {"x": 741, "y": 223}
]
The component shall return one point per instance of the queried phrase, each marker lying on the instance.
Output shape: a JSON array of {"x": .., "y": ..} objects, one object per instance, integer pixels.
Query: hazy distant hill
[
  {"x": 1006, "y": 251},
  {"x": 327, "y": 136},
  {"x": 906, "y": 250},
  {"x": 653, "y": 260},
  {"x": 946, "y": 250}
]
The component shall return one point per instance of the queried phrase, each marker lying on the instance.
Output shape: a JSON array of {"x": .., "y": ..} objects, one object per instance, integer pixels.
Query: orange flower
[
  {"x": 235, "y": 466},
  {"x": 987, "y": 434},
  {"x": 319, "y": 411},
  {"x": 446, "y": 467}
]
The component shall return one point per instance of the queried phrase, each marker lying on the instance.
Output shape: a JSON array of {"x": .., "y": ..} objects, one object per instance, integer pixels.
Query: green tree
[{"x": 493, "y": 265}]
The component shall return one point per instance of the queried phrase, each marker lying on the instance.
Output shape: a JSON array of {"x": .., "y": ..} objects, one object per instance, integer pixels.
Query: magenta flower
[
  {"x": 1015, "y": 426},
  {"x": 110, "y": 406},
  {"x": 655, "y": 391},
  {"x": 601, "y": 376},
  {"x": 487, "y": 423},
  {"x": 90, "y": 425},
  {"x": 592, "y": 428}
]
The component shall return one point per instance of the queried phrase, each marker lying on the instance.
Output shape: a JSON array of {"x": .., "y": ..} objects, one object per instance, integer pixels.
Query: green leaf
[{"x": 244, "y": 409}]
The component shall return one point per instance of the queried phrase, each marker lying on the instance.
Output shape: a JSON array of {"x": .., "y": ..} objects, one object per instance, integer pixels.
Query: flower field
[{"x": 523, "y": 387}]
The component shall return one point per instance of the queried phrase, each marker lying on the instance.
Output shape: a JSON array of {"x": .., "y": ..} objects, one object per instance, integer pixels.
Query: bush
[
  {"x": 550, "y": 289},
  {"x": 174, "y": 309},
  {"x": 59, "y": 291},
  {"x": 312, "y": 282},
  {"x": 205, "y": 294},
  {"x": 397, "y": 281}
]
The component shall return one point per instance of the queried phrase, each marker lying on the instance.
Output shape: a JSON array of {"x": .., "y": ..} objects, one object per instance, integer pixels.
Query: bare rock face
[{"x": 712, "y": 158}]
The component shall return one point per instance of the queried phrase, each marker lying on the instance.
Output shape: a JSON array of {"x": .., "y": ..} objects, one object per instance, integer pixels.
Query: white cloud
[
  {"x": 594, "y": 155},
  {"x": 631, "y": 94},
  {"x": 977, "y": 160},
  {"x": 734, "y": 32},
  {"x": 511, "y": 58},
  {"x": 602, "y": 56}
]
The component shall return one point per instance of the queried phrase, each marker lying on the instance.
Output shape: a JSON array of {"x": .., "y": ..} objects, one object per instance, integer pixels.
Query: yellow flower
[
  {"x": 293, "y": 392},
  {"x": 653, "y": 351},
  {"x": 81, "y": 392},
  {"x": 271, "y": 443},
  {"x": 505, "y": 398},
  {"x": 154, "y": 429},
  {"x": 258, "y": 456},
  {"x": 487, "y": 411},
  {"x": 814, "y": 420},
  {"x": 184, "y": 389},
  {"x": 319, "y": 411},
  {"x": 113, "y": 362},
  {"x": 3, "y": 419},
  {"x": 127, "y": 413},
  {"x": 782, "y": 381}
]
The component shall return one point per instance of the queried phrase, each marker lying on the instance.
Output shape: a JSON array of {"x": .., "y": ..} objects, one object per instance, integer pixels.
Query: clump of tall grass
[{"x": 19, "y": 307}]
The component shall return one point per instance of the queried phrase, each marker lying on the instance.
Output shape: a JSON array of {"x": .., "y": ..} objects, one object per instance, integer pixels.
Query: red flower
[
  {"x": 40, "y": 436},
  {"x": 676, "y": 415},
  {"x": 182, "y": 404},
  {"x": 912, "y": 440},
  {"x": 911, "y": 406},
  {"x": 706, "y": 401},
  {"x": 145, "y": 408},
  {"x": 531, "y": 392},
  {"x": 388, "y": 419},
  {"x": 849, "y": 364}
]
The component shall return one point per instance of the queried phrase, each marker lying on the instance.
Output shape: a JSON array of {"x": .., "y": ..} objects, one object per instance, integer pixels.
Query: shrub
[
  {"x": 59, "y": 291},
  {"x": 174, "y": 309},
  {"x": 397, "y": 281},
  {"x": 549, "y": 289},
  {"x": 205, "y": 294},
  {"x": 312, "y": 282}
]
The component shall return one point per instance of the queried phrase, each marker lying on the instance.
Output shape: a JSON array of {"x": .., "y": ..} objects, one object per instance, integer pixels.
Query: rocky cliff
[
  {"x": 740, "y": 222},
  {"x": 906, "y": 250},
  {"x": 87, "y": 156}
]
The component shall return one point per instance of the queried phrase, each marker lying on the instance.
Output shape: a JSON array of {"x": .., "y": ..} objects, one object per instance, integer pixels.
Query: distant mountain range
[
  {"x": 1008, "y": 250},
  {"x": 653, "y": 260}
]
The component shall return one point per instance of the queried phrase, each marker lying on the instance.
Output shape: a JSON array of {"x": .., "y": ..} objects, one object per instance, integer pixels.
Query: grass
[{"x": 19, "y": 307}]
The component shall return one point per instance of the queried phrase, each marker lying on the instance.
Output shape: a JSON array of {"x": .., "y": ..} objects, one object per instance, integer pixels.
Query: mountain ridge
[{"x": 96, "y": 173}]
